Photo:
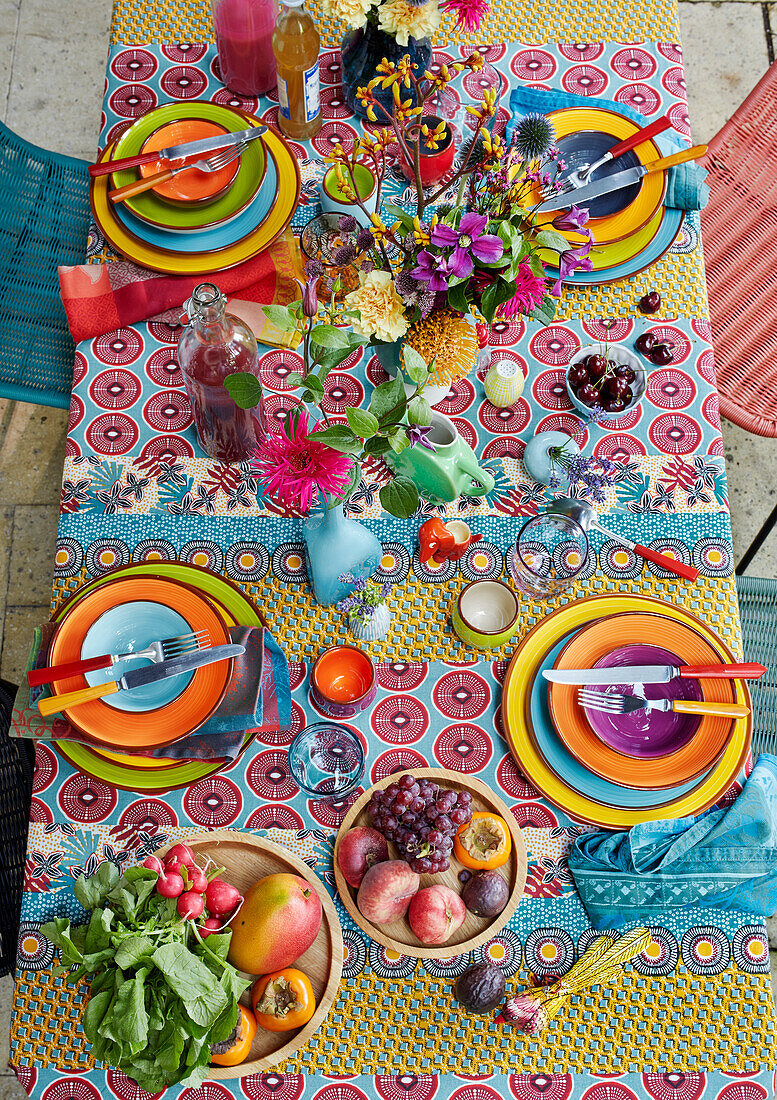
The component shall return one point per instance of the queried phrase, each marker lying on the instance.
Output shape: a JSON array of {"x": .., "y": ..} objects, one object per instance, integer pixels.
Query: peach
[
  {"x": 386, "y": 890},
  {"x": 359, "y": 850},
  {"x": 435, "y": 913}
]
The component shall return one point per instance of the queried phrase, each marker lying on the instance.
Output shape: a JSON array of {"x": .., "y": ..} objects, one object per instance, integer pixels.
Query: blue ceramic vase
[
  {"x": 536, "y": 457},
  {"x": 335, "y": 545},
  {"x": 363, "y": 50}
]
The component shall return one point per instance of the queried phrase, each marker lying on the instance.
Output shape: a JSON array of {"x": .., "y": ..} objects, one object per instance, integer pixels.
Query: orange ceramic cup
[{"x": 342, "y": 681}]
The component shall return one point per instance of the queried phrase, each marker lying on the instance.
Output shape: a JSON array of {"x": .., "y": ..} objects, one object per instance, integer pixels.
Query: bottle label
[
  {"x": 283, "y": 97},
  {"x": 312, "y": 95}
]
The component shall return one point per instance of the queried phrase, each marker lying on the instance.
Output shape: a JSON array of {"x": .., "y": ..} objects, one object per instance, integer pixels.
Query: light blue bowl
[{"x": 129, "y": 628}]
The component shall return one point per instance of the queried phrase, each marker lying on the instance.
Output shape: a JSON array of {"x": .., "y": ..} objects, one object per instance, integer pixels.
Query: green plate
[
  {"x": 146, "y": 775},
  {"x": 150, "y": 208}
]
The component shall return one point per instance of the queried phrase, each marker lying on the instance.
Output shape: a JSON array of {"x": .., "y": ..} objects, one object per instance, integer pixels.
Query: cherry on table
[
  {"x": 650, "y": 302},
  {"x": 661, "y": 355},
  {"x": 645, "y": 342}
]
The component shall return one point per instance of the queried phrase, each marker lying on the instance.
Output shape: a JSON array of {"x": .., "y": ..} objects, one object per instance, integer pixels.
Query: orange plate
[
  {"x": 597, "y": 640},
  {"x": 146, "y": 729},
  {"x": 193, "y": 186}
]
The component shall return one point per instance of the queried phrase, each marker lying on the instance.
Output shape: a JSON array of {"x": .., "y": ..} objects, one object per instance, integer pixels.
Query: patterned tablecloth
[{"x": 694, "y": 1015}]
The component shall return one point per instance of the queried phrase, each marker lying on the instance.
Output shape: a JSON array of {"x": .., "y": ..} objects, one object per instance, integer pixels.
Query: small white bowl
[{"x": 621, "y": 354}]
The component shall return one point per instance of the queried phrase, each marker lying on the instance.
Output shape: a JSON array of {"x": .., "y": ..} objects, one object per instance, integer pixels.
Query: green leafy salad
[{"x": 160, "y": 994}]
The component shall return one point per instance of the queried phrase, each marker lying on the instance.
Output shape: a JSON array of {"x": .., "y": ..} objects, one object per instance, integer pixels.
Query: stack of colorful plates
[
  {"x": 632, "y": 228},
  {"x": 128, "y": 608},
  {"x": 584, "y": 761},
  {"x": 197, "y": 222}
]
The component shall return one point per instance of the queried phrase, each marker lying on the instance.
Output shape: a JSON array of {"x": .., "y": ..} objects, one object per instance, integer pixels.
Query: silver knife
[
  {"x": 581, "y": 196},
  {"x": 54, "y": 704},
  {"x": 177, "y": 152},
  {"x": 652, "y": 674}
]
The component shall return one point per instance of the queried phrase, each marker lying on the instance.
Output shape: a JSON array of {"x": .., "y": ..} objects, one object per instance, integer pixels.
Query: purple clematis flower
[
  {"x": 574, "y": 259},
  {"x": 572, "y": 220},
  {"x": 418, "y": 434},
  {"x": 431, "y": 269},
  {"x": 468, "y": 241}
]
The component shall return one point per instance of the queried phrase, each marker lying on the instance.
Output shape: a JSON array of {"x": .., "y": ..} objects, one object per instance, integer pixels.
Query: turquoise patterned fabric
[{"x": 726, "y": 858}]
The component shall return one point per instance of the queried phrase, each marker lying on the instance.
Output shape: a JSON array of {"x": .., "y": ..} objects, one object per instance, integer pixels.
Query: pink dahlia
[
  {"x": 530, "y": 291},
  {"x": 469, "y": 13},
  {"x": 293, "y": 468}
]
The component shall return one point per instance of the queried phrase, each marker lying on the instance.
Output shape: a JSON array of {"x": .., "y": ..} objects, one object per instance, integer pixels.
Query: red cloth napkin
[{"x": 99, "y": 298}]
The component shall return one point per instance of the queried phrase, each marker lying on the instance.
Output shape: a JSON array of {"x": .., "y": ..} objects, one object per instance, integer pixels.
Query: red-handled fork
[{"x": 156, "y": 652}]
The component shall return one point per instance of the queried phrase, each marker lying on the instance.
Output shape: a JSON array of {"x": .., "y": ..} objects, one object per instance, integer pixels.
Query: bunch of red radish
[{"x": 180, "y": 876}]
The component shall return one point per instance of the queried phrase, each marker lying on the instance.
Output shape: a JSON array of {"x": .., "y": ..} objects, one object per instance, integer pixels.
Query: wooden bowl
[
  {"x": 245, "y": 859},
  {"x": 475, "y": 931}
]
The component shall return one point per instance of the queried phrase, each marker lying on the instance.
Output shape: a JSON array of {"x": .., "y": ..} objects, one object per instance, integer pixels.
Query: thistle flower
[
  {"x": 347, "y": 223},
  {"x": 294, "y": 468},
  {"x": 534, "y": 135}
]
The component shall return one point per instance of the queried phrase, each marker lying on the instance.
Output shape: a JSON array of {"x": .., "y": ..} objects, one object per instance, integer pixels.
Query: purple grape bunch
[{"x": 421, "y": 819}]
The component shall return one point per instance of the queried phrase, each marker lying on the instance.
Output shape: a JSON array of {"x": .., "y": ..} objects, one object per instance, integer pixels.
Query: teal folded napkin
[
  {"x": 724, "y": 858},
  {"x": 686, "y": 188}
]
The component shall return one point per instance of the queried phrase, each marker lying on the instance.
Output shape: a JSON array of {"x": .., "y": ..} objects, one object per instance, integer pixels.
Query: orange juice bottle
[{"x": 295, "y": 43}]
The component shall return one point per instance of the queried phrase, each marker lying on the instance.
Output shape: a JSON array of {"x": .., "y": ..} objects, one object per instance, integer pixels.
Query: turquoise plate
[
  {"x": 219, "y": 236},
  {"x": 128, "y": 628},
  {"x": 571, "y": 771}
]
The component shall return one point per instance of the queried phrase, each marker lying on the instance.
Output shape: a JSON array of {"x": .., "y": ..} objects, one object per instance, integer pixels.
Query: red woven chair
[{"x": 739, "y": 227}]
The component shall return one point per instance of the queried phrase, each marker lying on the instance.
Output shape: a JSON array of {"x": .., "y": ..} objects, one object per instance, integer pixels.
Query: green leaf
[
  {"x": 132, "y": 950},
  {"x": 536, "y": 264},
  {"x": 281, "y": 317},
  {"x": 364, "y": 424},
  {"x": 92, "y": 891},
  {"x": 400, "y": 215},
  {"x": 314, "y": 385},
  {"x": 457, "y": 297},
  {"x": 354, "y": 477},
  {"x": 94, "y": 1013},
  {"x": 414, "y": 365},
  {"x": 294, "y": 379},
  {"x": 327, "y": 336},
  {"x": 378, "y": 445},
  {"x": 419, "y": 411},
  {"x": 326, "y": 359},
  {"x": 339, "y": 438},
  {"x": 545, "y": 311},
  {"x": 549, "y": 238},
  {"x": 98, "y": 930},
  {"x": 399, "y": 497},
  {"x": 130, "y": 1012},
  {"x": 191, "y": 980},
  {"x": 398, "y": 440},
  {"x": 244, "y": 389},
  {"x": 388, "y": 401}
]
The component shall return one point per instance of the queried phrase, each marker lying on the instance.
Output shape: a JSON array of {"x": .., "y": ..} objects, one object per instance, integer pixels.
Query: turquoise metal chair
[
  {"x": 44, "y": 221},
  {"x": 758, "y": 612}
]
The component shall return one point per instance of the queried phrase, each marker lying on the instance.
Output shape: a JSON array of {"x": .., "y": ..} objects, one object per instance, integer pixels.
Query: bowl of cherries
[{"x": 610, "y": 376}]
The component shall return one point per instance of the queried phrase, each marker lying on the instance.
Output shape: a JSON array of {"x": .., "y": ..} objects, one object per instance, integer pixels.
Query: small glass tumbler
[
  {"x": 550, "y": 554},
  {"x": 320, "y": 241},
  {"x": 326, "y": 761}
]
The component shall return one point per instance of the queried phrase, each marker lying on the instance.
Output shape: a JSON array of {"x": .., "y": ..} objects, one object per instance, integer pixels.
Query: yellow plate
[
  {"x": 201, "y": 263},
  {"x": 515, "y": 701},
  {"x": 643, "y": 209}
]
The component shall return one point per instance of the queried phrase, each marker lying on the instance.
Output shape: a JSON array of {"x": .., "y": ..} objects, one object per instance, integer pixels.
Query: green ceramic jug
[{"x": 447, "y": 472}]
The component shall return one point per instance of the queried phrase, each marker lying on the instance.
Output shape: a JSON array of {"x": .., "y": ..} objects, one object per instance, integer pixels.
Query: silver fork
[
  {"x": 145, "y": 183},
  {"x": 156, "y": 652},
  {"x": 614, "y": 703}
]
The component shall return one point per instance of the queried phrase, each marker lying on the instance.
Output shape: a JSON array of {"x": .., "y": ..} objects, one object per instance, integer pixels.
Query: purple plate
[{"x": 645, "y": 733}]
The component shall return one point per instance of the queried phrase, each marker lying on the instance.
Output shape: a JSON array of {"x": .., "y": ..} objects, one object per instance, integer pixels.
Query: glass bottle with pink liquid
[
  {"x": 244, "y": 30},
  {"x": 212, "y": 346}
]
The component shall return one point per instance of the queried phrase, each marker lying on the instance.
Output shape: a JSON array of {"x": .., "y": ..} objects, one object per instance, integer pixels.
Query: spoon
[{"x": 583, "y": 513}]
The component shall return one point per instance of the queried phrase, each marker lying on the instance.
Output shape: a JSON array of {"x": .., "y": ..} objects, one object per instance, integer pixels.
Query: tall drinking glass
[
  {"x": 244, "y": 30},
  {"x": 326, "y": 761},
  {"x": 550, "y": 554}
]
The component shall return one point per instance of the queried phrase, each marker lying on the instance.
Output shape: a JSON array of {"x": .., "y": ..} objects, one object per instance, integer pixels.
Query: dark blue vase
[{"x": 363, "y": 50}]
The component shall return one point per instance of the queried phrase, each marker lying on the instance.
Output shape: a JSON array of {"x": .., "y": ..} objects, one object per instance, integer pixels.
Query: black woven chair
[{"x": 17, "y": 762}]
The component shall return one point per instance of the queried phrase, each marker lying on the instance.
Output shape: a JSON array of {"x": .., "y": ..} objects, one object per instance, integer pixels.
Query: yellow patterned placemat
[
  {"x": 420, "y": 629},
  {"x": 137, "y": 21}
]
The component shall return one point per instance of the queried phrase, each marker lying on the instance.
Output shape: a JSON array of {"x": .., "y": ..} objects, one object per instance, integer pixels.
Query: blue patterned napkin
[
  {"x": 686, "y": 188},
  {"x": 725, "y": 858}
]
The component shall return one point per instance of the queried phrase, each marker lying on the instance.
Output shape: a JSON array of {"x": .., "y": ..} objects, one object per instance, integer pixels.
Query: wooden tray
[
  {"x": 475, "y": 931},
  {"x": 245, "y": 859}
]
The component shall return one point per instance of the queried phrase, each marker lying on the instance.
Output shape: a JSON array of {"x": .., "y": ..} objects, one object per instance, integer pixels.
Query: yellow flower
[
  {"x": 382, "y": 310},
  {"x": 404, "y": 20},
  {"x": 352, "y": 12}
]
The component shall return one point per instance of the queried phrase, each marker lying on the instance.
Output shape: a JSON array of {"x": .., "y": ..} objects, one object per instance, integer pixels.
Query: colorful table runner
[{"x": 692, "y": 1016}]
